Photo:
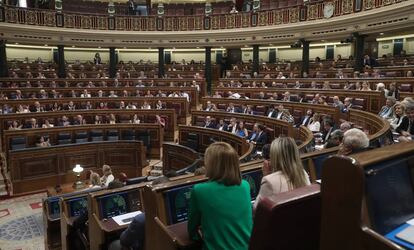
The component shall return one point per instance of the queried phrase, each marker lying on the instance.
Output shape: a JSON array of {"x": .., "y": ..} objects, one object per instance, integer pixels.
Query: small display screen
[
  {"x": 177, "y": 201},
  {"x": 254, "y": 178},
  {"x": 78, "y": 206},
  {"x": 119, "y": 203}
]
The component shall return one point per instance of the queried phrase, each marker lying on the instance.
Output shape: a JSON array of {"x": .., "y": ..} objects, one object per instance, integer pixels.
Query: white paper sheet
[
  {"x": 120, "y": 218},
  {"x": 411, "y": 222}
]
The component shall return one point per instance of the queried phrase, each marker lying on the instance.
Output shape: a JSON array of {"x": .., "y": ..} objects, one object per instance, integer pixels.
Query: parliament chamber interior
[{"x": 137, "y": 124}]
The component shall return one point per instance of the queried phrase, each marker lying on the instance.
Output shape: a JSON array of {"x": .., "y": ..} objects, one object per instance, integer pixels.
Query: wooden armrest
[
  {"x": 83, "y": 238},
  {"x": 374, "y": 241},
  {"x": 177, "y": 234}
]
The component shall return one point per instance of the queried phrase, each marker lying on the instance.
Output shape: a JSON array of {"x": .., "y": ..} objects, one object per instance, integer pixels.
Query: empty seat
[
  {"x": 405, "y": 88},
  {"x": 128, "y": 135},
  {"x": 18, "y": 143},
  {"x": 64, "y": 138},
  {"x": 299, "y": 211},
  {"x": 81, "y": 136},
  {"x": 112, "y": 135},
  {"x": 96, "y": 135},
  {"x": 335, "y": 86},
  {"x": 358, "y": 103}
]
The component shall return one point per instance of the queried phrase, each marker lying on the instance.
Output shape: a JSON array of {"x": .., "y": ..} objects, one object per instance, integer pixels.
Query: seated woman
[
  {"x": 43, "y": 142},
  {"x": 241, "y": 130},
  {"x": 95, "y": 180},
  {"x": 107, "y": 175},
  {"x": 220, "y": 209},
  {"x": 315, "y": 123},
  {"x": 400, "y": 121},
  {"x": 287, "y": 169}
]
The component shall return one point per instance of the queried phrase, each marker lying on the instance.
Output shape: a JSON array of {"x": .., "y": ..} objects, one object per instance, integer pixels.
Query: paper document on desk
[
  {"x": 125, "y": 219},
  {"x": 411, "y": 222}
]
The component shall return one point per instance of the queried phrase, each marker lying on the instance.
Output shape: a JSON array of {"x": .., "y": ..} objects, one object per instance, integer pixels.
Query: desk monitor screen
[
  {"x": 254, "y": 178},
  {"x": 177, "y": 201},
  {"x": 54, "y": 207},
  {"x": 119, "y": 203},
  {"x": 77, "y": 206},
  {"x": 390, "y": 193}
]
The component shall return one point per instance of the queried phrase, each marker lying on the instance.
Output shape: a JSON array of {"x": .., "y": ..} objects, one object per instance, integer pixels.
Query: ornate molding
[{"x": 275, "y": 27}]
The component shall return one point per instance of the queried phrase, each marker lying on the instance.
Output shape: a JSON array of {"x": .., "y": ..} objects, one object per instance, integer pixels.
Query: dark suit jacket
[
  {"x": 274, "y": 113},
  {"x": 306, "y": 122},
  {"x": 261, "y": 139},
  {"x": 134, "y": 235},
  {"x": 225, "y": 128},
  {"x": 210, "y": 125},
  {"x": 327, "y": 134}
]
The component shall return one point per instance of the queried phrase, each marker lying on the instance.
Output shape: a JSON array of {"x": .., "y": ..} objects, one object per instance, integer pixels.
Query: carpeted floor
[{"x": 21, "y": 223}]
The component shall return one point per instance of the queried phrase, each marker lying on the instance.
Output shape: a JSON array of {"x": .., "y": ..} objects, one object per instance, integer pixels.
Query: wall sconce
[{"x": 78, "y": 170}]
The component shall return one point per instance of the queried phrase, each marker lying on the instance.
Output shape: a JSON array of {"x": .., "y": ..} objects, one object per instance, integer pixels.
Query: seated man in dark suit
[
  {"x": 272, "y": 112},
  {"x": 221, "y": 125},
  {"x": 261, "y": 138},
  {"x": 209, "y": 123},
  {"x": 328, "y": 128},
  {"x": 304, "y": 120}
]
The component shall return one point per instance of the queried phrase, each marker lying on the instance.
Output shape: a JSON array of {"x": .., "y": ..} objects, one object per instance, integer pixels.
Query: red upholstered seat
[
  {"x": 405, "y": 88},
  {"x": 289, "y": 220},
  {"x": 358, "y": 103}
]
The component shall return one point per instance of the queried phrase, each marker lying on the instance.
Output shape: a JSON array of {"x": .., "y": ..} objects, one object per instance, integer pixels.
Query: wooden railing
[{"x": 295, "y": 14}]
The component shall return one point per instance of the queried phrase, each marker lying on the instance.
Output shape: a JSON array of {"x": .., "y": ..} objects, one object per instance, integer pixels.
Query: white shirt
[
  {"x": 314, "y": 126},
  {"x": 107, "y": 180}
]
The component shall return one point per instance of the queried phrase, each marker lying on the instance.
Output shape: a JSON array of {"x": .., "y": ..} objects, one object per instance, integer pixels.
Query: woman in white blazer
[{"x": 287, "y": 169}]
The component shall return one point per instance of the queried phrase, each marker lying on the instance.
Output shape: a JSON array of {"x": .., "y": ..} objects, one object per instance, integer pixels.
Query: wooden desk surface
[
  {"x": 180, "y": 233},
  {"x": 109, "y": 225},
  {"x": 66, "y": 189}
]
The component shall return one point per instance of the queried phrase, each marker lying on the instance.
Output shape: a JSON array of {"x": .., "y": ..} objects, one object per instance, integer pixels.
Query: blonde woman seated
[
  {"x": 315, "y": 123},
  {"x": 287, "y": 170},
  {"x": 95, "y": 181},
  {"x": 400, "y": 121},
  {"x": 107, "y": 175}
]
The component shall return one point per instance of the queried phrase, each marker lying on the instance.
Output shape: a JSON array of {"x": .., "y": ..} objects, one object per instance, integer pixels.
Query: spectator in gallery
[
  {"x": 287, "y": 169},
  {"x": 225, "y": 191},
  {"x": 97, "y": 59}
]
